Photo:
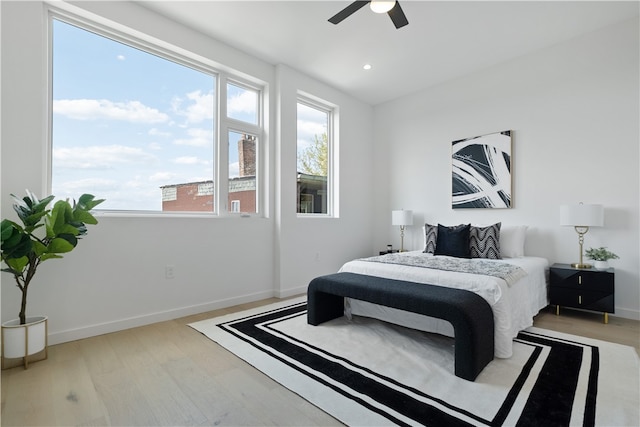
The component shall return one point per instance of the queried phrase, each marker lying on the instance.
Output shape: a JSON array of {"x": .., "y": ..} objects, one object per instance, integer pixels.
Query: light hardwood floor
[{"x": 169, "y": 374}]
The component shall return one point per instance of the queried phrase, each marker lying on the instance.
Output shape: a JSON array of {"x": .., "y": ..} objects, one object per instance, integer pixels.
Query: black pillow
[{"x": 453, "y": 241}]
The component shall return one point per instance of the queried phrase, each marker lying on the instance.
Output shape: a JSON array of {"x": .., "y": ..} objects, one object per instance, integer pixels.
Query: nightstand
[
  {"x": 393, "y": 251},
  {"x": 586, "y": 289}
]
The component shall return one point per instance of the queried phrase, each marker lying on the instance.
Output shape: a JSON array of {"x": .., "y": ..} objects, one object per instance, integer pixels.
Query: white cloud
[
  {"x": 308, "y": 129},
  {"x": 92, "y": 109},
  {"x": 200, "y": 178},
  {"x": 99, "y": 157},
  {"x": 234, "y": 170},
  {"x": 121, "y": 57},
  {"x": 245, "y": 102},
  {"x": 190, "y": 160},
  {"x": 91, "y": 185},
  {"x": 197, "y": 138},
  {"x": 311, "y": 122},
  {"x": 162, "y": 177},
  {"x": 201, "y": 107},
  {"x": 137, "y": 193},
  {"x": 157, "y": 132}
]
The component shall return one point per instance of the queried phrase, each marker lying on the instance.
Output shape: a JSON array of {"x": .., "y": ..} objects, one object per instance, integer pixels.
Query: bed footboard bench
[{"x": 470, "y": 315}]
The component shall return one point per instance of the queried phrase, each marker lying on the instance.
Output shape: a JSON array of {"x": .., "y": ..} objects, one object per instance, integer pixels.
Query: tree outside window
[{"x": 314, "y": 159}]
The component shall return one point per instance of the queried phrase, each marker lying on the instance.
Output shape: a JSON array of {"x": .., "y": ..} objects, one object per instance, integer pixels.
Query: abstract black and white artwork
[{"x": 481, "y": 171}]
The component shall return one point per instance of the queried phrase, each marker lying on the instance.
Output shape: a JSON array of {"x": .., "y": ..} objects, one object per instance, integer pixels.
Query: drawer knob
[
  {"x": 580, "y": 299},
  {"x": 579, "y": 280}
]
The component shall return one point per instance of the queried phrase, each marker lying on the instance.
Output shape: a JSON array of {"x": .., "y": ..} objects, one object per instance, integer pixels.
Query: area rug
[{"x": 366, "y": 372}]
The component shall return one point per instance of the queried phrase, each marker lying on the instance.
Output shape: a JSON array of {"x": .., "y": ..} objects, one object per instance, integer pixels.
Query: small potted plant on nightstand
[
  {"x": 44, "y": 234},
  {"x": 601, "y": 257}
]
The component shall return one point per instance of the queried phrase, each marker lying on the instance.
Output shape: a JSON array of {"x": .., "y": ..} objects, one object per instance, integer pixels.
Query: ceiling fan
[{"x": 392, "y": 8}]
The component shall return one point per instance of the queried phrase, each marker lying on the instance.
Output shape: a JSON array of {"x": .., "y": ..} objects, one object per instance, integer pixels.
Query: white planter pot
[
  {"x": 601, "y": 265},
  {"x": 21, "y": 341}
]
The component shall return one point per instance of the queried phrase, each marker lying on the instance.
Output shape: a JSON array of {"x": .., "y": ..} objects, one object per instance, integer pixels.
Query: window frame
[
  {"x": 221, "y": 123},
  {"x": 226, "y": 125},
  {"x": 332, "y": 177}
]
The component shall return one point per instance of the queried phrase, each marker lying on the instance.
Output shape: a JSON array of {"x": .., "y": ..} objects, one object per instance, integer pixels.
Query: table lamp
[
  {"x": 581, "y": 217},
  {"x": 402, "y": 218}
]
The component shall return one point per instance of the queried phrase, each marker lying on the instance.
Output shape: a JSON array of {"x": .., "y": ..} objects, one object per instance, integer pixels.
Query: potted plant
[
  {"x": 44, "y": 234},
  {"x": 600, "y": 256}
]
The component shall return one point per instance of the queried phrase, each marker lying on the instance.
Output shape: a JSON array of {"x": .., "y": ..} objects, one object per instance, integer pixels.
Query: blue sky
[{"x": 126, "y": 122}]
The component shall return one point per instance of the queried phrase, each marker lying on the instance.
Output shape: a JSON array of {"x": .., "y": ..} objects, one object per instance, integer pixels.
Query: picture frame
[{"x": 481, "y": 169}]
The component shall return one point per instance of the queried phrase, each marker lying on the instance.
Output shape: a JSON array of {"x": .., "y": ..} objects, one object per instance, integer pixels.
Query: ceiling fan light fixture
[
  {"x": 392, "y": 8},
  {"x": 381, "y": 6}
]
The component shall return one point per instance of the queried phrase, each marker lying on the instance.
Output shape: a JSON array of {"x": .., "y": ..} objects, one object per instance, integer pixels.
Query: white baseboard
[
  {"x": 286, "y": 293},
  {"x": 147, "y": 319},
  {"x": 626, "y": 313}
]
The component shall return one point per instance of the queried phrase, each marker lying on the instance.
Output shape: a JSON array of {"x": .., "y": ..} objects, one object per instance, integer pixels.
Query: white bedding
[{"x": 513, "y": 306}]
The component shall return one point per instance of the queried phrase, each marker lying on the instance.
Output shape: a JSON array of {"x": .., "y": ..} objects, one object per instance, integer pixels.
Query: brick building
[{"x": 199, "y": 196}]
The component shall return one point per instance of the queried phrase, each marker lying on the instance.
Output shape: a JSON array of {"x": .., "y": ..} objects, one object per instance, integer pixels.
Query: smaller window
[
  {"x": 314, "y": 151},
  {"x": 243, "y": 153},
  {"x": 235, "y": 206},
  {"x": 242, "y": 104}
]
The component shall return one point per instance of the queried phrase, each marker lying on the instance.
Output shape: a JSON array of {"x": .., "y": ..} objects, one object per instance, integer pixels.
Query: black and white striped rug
[{"x": 366, "y": 372}]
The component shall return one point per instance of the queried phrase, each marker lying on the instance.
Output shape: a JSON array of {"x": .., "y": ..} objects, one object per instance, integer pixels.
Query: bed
[{"x": 514, "y": 302}]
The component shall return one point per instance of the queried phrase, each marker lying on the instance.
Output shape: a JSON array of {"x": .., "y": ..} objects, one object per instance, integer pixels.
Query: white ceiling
[{"x": 444, "y": 39}]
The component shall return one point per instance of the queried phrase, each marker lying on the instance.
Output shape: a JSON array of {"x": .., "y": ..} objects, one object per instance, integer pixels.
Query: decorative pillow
[
  {"x": 453, "y": 241},
  {"x": 512, "y": 240},
  {"x": 430, "y": 238},
  {"x": 484, "y": 242}
]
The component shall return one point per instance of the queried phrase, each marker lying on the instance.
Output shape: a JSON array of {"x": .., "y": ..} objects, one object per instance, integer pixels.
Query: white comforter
[{"x": 513, "y": 306}]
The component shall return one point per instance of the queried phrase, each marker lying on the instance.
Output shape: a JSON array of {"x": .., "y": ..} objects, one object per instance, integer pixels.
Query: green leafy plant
[
  {"x": 44, "y": 234},
  {"x": 600, "y": 254}
]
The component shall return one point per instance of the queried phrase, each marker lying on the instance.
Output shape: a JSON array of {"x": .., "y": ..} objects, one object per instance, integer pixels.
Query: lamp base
[{"x": 580, "y": 265}]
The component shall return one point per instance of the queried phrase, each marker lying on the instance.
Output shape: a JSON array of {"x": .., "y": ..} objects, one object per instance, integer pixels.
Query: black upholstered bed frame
[{"x": 470, "y": 315}]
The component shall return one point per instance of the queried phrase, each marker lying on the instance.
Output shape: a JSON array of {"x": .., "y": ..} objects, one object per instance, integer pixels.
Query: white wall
[
  {"x": 115, "y": 278},
  {"x": 573, "y": 109},
  {"x": 309, "y": 247}
]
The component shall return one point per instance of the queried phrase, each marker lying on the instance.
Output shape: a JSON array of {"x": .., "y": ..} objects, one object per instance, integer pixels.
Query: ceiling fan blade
[
  {"x": 347, "y": 11},
  {"x": 397, "y": 16}
]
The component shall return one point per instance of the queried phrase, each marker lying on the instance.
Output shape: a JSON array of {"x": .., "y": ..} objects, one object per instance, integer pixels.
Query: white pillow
[{"x": 512, "y": 240}]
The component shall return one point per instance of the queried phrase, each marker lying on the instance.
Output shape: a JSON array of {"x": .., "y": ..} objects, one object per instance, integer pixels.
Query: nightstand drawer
[
  {"x": 580, "y": 288},
  {"x": 588, "y": 300},
  {"x": 581, "y": 279}
]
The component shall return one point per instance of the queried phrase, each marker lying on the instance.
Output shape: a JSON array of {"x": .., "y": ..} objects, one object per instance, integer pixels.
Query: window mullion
[{"x": 222, "y": 162}]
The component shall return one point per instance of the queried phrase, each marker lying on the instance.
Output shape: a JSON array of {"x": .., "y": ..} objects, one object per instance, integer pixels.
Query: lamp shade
[
  {"x": 402, "y": 217},
  {"x": 582, "y": 215}
]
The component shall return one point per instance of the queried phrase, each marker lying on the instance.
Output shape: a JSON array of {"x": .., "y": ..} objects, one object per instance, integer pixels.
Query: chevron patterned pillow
[
  {"x": 484, "y": 242},
  {"x": 431, "y": 237}
]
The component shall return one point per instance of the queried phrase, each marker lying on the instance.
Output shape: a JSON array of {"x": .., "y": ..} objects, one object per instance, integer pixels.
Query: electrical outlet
[{"x": 169, "y": 271}]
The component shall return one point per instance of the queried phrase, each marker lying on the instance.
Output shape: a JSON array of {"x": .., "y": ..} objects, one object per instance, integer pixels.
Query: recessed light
[{"x": 366, "y": 66}]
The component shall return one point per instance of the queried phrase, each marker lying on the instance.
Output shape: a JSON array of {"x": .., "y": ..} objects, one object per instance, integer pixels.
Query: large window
[
  {"x": 315, "y": 153},
  {"x": 137, "y": 125}
]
